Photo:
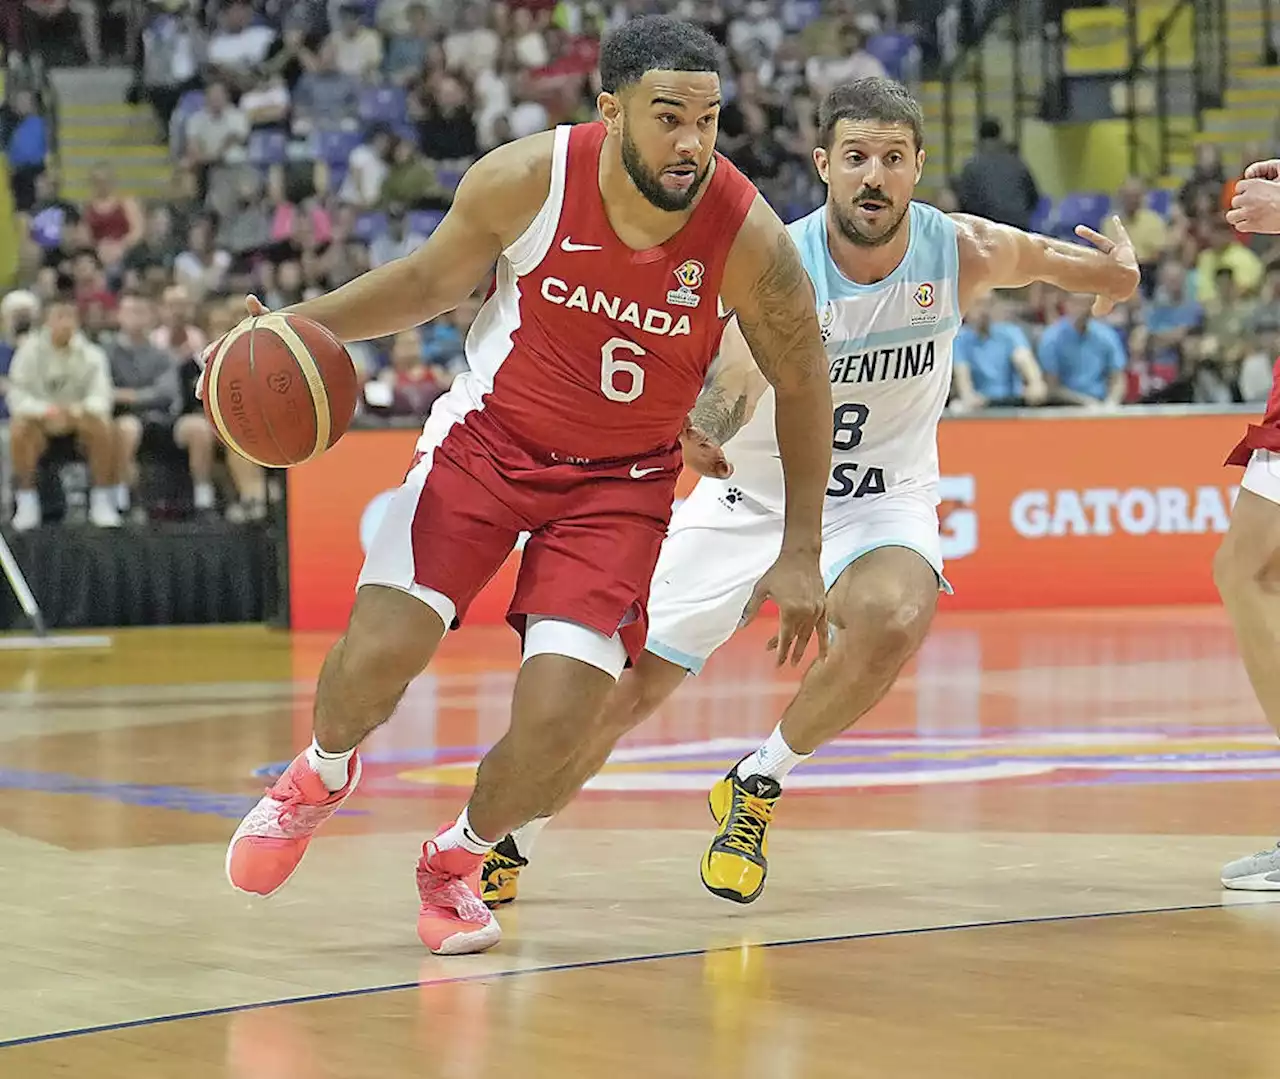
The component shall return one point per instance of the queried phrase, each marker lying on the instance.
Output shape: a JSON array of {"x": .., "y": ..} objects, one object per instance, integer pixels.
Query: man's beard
[
  {"x": 650, "y": 186},
  {"x": 849, "y": 228}
]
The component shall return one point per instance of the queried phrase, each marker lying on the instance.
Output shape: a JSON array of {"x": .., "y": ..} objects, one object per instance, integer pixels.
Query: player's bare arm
[
  {"x": 1255, "y": 205},
  {"x": 728, "y": 401},
  {"x": 765, "y": 284},
  {"x": 496, "y": 201},
  {"x": 996, "y": 256},
  {"x": 733, "y": 392}
]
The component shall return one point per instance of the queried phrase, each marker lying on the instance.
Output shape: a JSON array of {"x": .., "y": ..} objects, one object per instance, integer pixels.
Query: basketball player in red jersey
[
  {"x": 621, "y": 247},
  {"x": 1247, "y": 567}
]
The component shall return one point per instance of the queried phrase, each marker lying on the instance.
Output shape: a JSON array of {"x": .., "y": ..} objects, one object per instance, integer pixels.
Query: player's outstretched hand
[
  {"x": 255, "y": 307},
  {"x": 1263, "y": 170},
  {"x": 794, "y": 583},
  {"x": 1126, "y": 260},
  {"x": 1255, "y": 207},
  {"x": 702, "y": 455}
]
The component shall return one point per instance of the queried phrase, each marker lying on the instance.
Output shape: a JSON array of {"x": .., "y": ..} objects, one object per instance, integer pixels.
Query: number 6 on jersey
[{"x": 610, "y": 368}]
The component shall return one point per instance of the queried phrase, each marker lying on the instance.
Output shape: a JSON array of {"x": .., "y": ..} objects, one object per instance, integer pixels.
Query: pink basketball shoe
[
  {"x": 453, "y": 919},
  {"x": 272, "y": 839}
]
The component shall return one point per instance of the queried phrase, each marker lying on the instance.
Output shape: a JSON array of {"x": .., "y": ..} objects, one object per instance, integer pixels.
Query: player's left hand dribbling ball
[{"x": 279, "y": 389}]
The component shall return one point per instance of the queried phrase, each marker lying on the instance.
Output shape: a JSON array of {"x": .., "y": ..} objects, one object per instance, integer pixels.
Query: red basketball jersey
[
  {"x": 587, "y": 350},
  {"x": 1264, "y": 435}
]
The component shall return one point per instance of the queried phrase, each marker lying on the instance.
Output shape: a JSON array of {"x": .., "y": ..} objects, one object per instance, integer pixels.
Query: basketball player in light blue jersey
[{"x": 892, "y": 279}]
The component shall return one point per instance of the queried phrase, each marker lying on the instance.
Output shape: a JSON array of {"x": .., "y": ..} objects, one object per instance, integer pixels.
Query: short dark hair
[
  {"x": 654, "y": 43},
  {"x": 882, "y": 100}
]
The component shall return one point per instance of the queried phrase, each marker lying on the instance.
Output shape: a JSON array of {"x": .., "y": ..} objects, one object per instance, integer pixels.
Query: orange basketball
[{"x": 280, "y": 390}]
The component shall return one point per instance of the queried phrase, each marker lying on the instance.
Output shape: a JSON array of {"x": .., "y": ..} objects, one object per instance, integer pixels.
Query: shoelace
[
  {"x": 751, "y": 815},
  {"x": 295, "y": 812},
  {"x": 497, "y": 861},
  {"x": 437, "y": 889}
]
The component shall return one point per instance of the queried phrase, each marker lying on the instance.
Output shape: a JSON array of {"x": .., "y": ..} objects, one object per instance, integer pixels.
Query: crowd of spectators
[
  {"x": 313, "y": 139},
  {"x": 1204, "y": 327}
]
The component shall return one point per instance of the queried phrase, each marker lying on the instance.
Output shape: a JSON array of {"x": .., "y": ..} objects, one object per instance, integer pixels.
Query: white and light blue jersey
[{"x": 889, "y": 356}]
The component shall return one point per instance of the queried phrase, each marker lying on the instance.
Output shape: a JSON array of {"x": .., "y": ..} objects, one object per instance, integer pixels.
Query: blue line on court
[
  {"x": 589, "y": 964},
  {"x": 152, "y": 796}
]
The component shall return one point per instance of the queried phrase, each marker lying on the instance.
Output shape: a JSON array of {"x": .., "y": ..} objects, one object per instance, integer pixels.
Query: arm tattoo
[
  {"x": 779, "y": 328},
  {"x": 716, "y": 416}
]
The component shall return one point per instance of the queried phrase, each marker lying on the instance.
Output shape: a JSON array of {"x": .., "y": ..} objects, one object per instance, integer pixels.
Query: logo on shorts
[
  {"x": 689, "y": 274},
  {"x": 731, "y": 497}
]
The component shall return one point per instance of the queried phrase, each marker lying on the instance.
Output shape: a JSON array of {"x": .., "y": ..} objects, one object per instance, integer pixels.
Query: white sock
[
  {"x": 773, "y": 759},
  {"x": 526, "y": 835},
  {"x": 122, "y": 497},
  {"x": 332, "y": 768},
  {"x": 464, "y": 836},
  {"x": 27, "y": 498},
  {"x": 203, "y": 496}
]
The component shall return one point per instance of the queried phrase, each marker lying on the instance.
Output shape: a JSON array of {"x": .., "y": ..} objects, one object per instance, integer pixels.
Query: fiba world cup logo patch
[
  {"x": 925, "y": 296},
  {"x": 689, "y": 274},
  {"x": 826, "y": 320}
]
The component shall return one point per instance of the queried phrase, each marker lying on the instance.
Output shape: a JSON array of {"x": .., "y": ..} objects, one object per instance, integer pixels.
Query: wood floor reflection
[{"x": 1012, "y": 864}]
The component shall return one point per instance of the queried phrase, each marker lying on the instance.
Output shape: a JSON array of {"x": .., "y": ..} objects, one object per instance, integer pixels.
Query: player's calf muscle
[{"x": 390, "y": 639}]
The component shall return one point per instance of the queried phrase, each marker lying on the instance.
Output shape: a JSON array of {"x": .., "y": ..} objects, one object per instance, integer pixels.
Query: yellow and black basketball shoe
[
  {"x": 500, "y": 875},
  {"x": 735, "y": 864}
]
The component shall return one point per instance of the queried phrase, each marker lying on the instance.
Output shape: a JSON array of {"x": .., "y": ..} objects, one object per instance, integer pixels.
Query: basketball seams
[
  {"x": 212, "y": 374},
  {"x": 279, "y": 325},
  {"x": 253, "y": 374}
]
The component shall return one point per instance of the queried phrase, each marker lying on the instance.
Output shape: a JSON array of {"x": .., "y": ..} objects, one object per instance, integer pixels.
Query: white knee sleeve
[{"x": 555, "y": 637}]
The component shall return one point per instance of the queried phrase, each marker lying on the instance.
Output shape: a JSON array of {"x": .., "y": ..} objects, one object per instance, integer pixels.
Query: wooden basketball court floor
[{"x": 1010, "y": 868}]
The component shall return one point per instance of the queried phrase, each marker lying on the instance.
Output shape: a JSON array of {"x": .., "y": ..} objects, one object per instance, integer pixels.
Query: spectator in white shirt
[
  {"x": 528, "y": 117},
  {"x": 216, "y": 130},
  {"x": 171, "y": 49},
  {"x": 397, "y": 242},
  {"x": 755, "y": 36},
  {"x": 852, "y": 63},
  {"x": 474, "y": 47},
  {"x": 60, "y": 387},
  {"x": 530, "y": 46},
  {"x": 239, "y": 46},
  {"x": 267, "y": 104},
  {"x": 357, "y": 49},
  {"x": 367, "y": 168}
]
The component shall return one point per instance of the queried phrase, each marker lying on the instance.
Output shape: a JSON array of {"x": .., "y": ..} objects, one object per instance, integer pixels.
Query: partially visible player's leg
[
  {"x": 715, "y": 551},
  {"x": 581, "y": 601},
  {"x": 1247, "y": 573},
  {"x": 639, "y": 693},
  {"x": 396, "y": 623},
  {"x": 886, "y": 569},
  {"x": 882, "y": 605}
]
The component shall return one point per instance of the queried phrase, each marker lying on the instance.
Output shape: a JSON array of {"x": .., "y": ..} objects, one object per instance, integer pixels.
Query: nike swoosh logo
[
  {"x": 568, "y": 245},
  {"x": 639, "y": 473}
]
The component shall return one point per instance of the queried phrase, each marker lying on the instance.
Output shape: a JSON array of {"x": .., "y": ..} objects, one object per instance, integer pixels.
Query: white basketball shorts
[
  {"x": 721, "y": 542},
  {"x": 1261, "y": 476}
]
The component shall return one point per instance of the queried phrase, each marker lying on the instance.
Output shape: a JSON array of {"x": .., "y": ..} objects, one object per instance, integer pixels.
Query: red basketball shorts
[{"x": 593, "y": 531}]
